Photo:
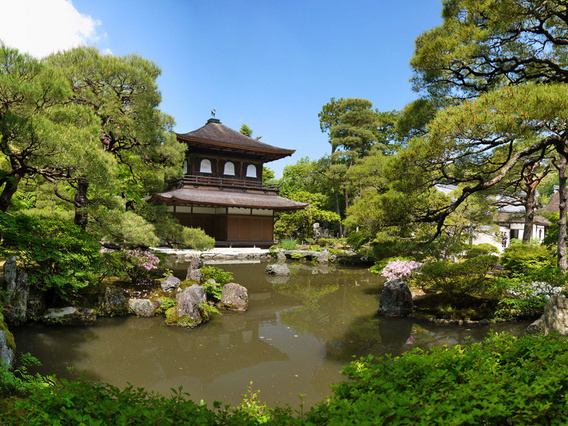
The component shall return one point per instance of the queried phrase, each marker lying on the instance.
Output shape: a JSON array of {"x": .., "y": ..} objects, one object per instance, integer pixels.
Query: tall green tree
[
  {"x": 41, "y": 132},
  {"x": 353, "y": 128},
  {"x": 121, "y": 92},
  {"x": 485, "y": 44},
  {"x": 462, "y": 141}
]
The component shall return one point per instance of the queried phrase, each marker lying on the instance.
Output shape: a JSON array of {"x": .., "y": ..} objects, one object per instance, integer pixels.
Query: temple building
[{"x": 222, "y": 190}]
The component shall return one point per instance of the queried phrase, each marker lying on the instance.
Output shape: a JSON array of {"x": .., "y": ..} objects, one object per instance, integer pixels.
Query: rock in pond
[
  {"x": 36, "y": 306},
  {"x": 17, "y": 289},
  {"x": 69, "y": 316},
  {"x": 234, "y": 297},
  {"x": 187, "y": 312},
  {"x": 193, "y": 272},
  {"x": 323, "y": 257},
  {"x": 114, "y": 301},
  {"x": 143, "y": 307},
  {"x": 554, "y": 318},
  {"x": 396, "y": 299},
  {"x": 280, "y": 269},
  {"x": 170, "y": 284},
  {"x": 6, "y": 349}
]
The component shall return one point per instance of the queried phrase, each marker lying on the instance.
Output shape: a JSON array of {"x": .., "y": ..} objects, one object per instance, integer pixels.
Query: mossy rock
[
  {"x": 172, "y": 318},
  {"x": 9, "y": 336}
]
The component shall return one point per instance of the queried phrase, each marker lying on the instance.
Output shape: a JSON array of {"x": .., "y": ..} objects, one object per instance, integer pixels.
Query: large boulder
[
  {"x": 234, "y": 297},
  {"x": 36, "y": 306},
  {"x": 280, "y": 256},
  {"x": 70, "y": 316},
  {"x": 193, "y": 272},
  {"x": 114, "y": 301},
  {"x": 143, "y": 307},
  {"x": 7, "y": 343},
  {"x": 396, "y": 299},
  {"x": 171, "y": 283},
  {"x": 279, "y": 269},
  {"x": 187, "y": 312},
  {"x": 323, "y": 257},
  {"x": 6, "y": 349},
  {"x": 554, "y": 318},
  {"x": 17, "y": 289}
]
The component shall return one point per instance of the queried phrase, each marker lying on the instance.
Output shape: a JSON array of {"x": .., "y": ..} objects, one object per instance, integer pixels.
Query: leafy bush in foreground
[
  {"x": 522, "y": 258},
  {"x": 468, "y": 276},
  {"x": 503, "y": 380},
  {"x": 56, "y": 253}
]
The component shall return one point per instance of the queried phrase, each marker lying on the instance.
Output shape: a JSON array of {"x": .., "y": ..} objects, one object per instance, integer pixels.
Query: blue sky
[{"x": 271, "y": 64}]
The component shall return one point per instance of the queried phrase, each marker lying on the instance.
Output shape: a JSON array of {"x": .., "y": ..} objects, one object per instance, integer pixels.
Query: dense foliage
[
  {"x": 503, "y": 380},
  {"x": 56, "y": 254}
]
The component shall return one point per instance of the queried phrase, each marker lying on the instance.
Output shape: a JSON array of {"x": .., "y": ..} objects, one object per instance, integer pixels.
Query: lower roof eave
[{"x": 181, "y": 202}]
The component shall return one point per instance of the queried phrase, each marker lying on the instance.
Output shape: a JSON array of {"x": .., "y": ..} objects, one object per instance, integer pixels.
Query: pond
[{"x": 297, "y": 335}]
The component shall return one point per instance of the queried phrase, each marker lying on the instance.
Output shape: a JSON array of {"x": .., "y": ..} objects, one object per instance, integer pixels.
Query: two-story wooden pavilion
[{"x": 222, "y": 190}]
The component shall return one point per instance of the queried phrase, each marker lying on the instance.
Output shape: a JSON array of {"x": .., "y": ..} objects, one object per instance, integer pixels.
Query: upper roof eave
[{"x": 218, "y": 136}]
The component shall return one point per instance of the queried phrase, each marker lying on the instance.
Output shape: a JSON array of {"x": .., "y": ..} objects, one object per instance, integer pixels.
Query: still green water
[{"x": 297, "y": 335}]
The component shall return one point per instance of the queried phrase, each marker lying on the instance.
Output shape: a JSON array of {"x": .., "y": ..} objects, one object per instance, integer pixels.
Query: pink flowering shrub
[
  {"x": 139, "y": 264},
  {"x": 399, "y": 269}
]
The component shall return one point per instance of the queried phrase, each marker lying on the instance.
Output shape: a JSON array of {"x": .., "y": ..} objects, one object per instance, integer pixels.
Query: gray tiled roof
[
  {"x": 227, "y": 198},
  {"x": 216, "y": 135}
]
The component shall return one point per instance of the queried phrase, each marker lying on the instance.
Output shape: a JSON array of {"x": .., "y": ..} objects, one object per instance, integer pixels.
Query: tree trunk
[
  {"x": 562, "y": 211},
  {"x": 81, "y": 200},
  {"x": 337, "y": 211},
  {"x": 10, "y": 188},
  {"x": 529, "y": 214}
]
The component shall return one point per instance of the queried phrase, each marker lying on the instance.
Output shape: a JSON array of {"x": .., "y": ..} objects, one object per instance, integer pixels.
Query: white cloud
[{"x": 40, "y": 27}]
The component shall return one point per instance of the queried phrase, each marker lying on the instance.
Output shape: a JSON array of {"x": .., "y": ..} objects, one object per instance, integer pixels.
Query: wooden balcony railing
[{"x": 228, "y": 183}]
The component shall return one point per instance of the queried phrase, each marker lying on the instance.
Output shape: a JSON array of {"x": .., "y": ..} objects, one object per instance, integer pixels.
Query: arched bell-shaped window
[
  {"x": 229, "y": 169},
  {"x": 251, "y": 171},
  {"x": 205, "y": 166}
]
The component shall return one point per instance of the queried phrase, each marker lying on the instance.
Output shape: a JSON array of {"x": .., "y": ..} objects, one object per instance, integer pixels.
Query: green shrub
[
  {"x": 521, "y": 258},
  {"x": 165, "y": 304},
  {"x": 219, "y": 275},
  {"x": 503, "y": 380},
  {"x": 123, "y": 228},
  {"x": 357, "y": 239},
  {"x": 289, "y": 244},
  {"x": 83, "y": 402},
  {"x": 19, "y": 381},
  {"x": 525, "y": 296},
  {"x": 55, "y": 253},
  {"x": 468, "y": 276},
  {"x": 219, "y": 278},
  {"x": 327, "y": 242},
  {"x": 480, "y": 250},
  {"x": 213, "y": 289},
  {"x": 197, "y": 239}
]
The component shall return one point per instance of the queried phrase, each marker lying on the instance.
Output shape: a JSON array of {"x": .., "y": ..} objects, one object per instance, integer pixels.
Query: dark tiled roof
[
  {"x": 216, "y": 135},
  {"x": 519, "y": 218},
  {"x": 553, "y": 204},
  {"x": 227, "y": 198}
]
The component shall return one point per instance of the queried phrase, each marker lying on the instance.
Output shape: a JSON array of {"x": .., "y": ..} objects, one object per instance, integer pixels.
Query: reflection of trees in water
[
  {"x": 370, "y": 335},
  {"x": 329, "y": 304},
  {"x": 373, "y": 335},
  {"x": 306, "y": 292}
]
